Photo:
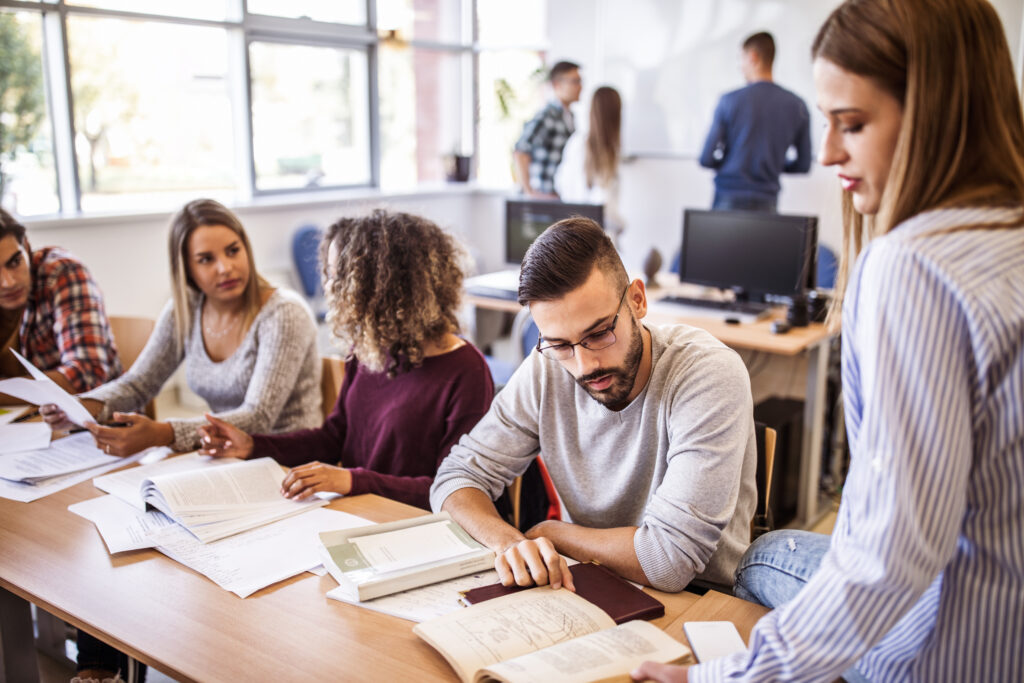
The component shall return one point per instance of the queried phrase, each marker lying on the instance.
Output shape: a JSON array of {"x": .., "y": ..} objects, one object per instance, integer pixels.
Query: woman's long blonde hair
[
  {"x": 961, "y": 141},
  {"x": 601, "y": 156},
  {"x": 184, "y": 292},
  {"x": 395, "y": 287}
]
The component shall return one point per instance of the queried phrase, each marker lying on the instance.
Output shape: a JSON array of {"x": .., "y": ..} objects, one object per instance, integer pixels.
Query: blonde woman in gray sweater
[{"x": 249, "y": 349}]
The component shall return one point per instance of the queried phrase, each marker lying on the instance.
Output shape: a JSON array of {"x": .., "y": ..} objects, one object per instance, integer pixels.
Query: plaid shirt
[
  {"x": 543, "y": 138},
  {"x": 64, "y": 326}
]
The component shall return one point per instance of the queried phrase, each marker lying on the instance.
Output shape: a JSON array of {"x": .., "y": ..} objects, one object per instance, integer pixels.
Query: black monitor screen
[
  {"x": 756, "y": 253},
  {"x": 525, "y": 219}
]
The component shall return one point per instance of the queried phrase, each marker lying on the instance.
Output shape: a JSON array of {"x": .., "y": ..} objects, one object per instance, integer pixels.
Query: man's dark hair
[
  {"x": 764, "y": 45},
  {"x": 560, "y": 69},
  {"x": 10, "y": 226},
  {"x": 562, "y": 258}
]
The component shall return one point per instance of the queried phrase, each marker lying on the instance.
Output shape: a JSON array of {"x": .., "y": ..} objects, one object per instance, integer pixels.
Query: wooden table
[
  {"x": 181, "y": 623},
  {"x": 813, "y": 341}
]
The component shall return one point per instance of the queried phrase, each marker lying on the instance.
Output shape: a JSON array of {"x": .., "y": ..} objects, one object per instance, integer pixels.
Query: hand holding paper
[{"x": 43, "y": 390}]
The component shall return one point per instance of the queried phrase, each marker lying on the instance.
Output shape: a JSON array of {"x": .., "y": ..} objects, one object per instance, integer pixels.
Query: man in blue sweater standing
[{"x": 752, "y": 134}]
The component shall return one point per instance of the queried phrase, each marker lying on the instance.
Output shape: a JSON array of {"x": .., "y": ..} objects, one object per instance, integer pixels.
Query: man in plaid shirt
[
  {"x": 539, "y": 149},
  {"x": 52, "y": 312}
]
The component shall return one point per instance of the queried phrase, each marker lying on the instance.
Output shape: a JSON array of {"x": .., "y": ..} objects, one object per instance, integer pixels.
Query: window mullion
[{"x": 58, "y": 84}]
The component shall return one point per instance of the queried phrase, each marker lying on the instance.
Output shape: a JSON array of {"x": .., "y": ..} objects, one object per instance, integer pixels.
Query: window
[
  {"x": 193, "y": 9},
  {"x": 114, "y": 106},
  {"x": 149, "y": 132},
  {"x": 310, "y": 116},
  {"x": 28, "y": 180},
  {"x": 419, "y": 141},
  {"x": 335, "y": 11},
  {"x": 512, "y": 81},
  {"x": 511, "y": 91}
]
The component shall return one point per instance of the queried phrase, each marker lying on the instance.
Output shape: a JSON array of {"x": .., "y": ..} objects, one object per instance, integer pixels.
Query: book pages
[
  {"x": 510, "y": 626},
  {"x": 606, "y": 655}
]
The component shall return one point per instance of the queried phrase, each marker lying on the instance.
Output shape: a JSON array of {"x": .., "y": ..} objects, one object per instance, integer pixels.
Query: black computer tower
[{"x": 786, "y": 417}]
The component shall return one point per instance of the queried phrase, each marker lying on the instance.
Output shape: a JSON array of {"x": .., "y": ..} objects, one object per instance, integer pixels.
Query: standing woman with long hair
[
  {"x": 589, "y": 171},
  {"x": 923, "y": 576},
  {"x": 249, "y": 349}
]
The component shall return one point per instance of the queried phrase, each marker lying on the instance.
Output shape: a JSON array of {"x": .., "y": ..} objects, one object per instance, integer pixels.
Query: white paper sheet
[
  {"x": 24, "y": 436},
  {"x": 39, "y": 392},
  {"x": 26, "y": 493},
  {"x": 71, "y": 406},
  {"x": 64, "y": 456},
  {"x": 127, "y": 485},
  {"x": 251, "y": 560},
  {"x": 122, "y": 526},
  {"x": 425, "y": 603},
  {"x": 9, "y": 414}
]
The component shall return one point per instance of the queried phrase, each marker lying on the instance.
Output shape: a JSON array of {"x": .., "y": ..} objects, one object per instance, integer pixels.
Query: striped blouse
[{"x": 924, "y": 580}]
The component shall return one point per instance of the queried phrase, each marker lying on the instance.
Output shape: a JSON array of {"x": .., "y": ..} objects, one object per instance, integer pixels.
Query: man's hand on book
[
  {"x": 224, "y": 440},
  {"x": 315, "y": 477},
  {"x": 662, "y": 673},
  {"x": 533, "y": 561}
]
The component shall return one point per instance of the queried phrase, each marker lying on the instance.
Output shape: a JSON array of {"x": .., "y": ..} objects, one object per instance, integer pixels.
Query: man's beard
[{"x": 623, "y": 377}]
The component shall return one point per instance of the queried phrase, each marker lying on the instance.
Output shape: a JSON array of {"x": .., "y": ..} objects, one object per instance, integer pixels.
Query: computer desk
[
  {"x": 813, "y": 342},
  {"x": 181, "y": 623}
]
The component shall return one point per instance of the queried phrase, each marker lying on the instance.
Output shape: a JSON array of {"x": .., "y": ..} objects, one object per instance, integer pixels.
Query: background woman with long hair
[
  {"x": 412, "y": 387},
  {"x": 589, "y": 170},
  {"x": 923, "y": 576},
  {"x": 249, "y": 349}
]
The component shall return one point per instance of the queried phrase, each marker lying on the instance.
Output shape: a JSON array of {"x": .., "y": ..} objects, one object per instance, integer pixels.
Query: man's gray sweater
[{"x": 678, "y": 462}]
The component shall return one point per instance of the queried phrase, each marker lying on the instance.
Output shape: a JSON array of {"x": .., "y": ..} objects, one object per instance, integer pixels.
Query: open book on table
[
  {"x": 543, "y": 634},
  {"x": 381, "y": 559},
  {"x": 216, "y": 502}
]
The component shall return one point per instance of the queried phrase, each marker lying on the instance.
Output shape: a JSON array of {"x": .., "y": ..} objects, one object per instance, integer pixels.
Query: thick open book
[
  {"x": 544, "y": 635},
  {"x": 217, "y": 502},
  {"x": 372, "y": 561}
]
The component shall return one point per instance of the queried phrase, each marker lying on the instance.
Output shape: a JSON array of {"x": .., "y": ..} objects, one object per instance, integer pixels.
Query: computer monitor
[
  {"x": 758, "y": 255},
  {"x": 525, "y": 219}
]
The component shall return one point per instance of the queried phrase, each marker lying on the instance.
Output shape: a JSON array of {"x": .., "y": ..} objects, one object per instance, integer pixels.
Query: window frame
[{"x": 244, "y": 28}]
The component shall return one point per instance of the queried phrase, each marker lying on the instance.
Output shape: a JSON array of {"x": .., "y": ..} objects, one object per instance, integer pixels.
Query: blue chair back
[
  {"x": 827, "y": 268},
  {"x": 305, "y": 247},
  {"x": 529, "y": 337}
]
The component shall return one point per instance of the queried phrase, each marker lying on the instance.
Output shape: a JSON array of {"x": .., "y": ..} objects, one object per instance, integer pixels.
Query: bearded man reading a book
[{"x": 647, "y": 432}]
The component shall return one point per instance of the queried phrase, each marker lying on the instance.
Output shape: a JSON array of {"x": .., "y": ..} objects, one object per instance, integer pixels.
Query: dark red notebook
[{"x": 619, "y": 598}]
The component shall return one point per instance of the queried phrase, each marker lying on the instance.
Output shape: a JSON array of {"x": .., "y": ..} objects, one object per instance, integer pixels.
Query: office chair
[
  {"x": 305, "y": 248},
  {"x": 827, "y": 268},
  {"x": 130, "y": 335},
  {"x": 332, "y": 376},
  {"x": 762, "y": 522}
]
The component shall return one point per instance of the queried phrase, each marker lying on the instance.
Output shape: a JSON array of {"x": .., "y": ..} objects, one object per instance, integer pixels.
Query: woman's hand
[
  {"x": 224, "y": 440},
  {"x": 136, "y": 433},
  {"x": 58, "y": 420},
  {"x": 314, "y": 477}
]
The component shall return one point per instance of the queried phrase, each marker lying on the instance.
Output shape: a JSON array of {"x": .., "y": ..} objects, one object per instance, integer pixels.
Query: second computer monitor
[
  {"x": 756, "y": 254},
  {"x": 525, "y": 219}
]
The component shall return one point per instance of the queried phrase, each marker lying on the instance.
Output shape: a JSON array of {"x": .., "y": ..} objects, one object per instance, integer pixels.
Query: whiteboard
[{"x": 672, "y": 59}]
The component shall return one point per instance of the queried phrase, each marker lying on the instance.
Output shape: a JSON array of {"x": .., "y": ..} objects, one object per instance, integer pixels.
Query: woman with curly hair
[{"x": 412, "y": 387}]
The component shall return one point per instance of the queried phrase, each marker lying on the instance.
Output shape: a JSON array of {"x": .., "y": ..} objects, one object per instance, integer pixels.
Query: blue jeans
[
  {"x": 777, "y": 565},
  {"x": 726, "y": 201}
]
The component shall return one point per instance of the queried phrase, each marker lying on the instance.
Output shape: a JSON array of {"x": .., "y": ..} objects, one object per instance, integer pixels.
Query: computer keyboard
[{"x": 750, "y": 307}]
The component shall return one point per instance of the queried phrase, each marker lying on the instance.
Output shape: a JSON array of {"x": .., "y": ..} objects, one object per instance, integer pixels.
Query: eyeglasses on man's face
[{"x": 595, "y": 341}]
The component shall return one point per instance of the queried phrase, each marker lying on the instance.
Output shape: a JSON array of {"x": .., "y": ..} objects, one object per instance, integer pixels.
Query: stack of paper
[
  {"x": 28, "y": 436},
  {"x": 217, "y": 502},
  {"x": 393, "y": 557},
  {"x": 242, "y": 564},
  {"x": 29, "y": 475}
]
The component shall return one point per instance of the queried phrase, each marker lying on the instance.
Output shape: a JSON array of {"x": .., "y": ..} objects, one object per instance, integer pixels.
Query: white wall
[{"x": 128, "y": 255}]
